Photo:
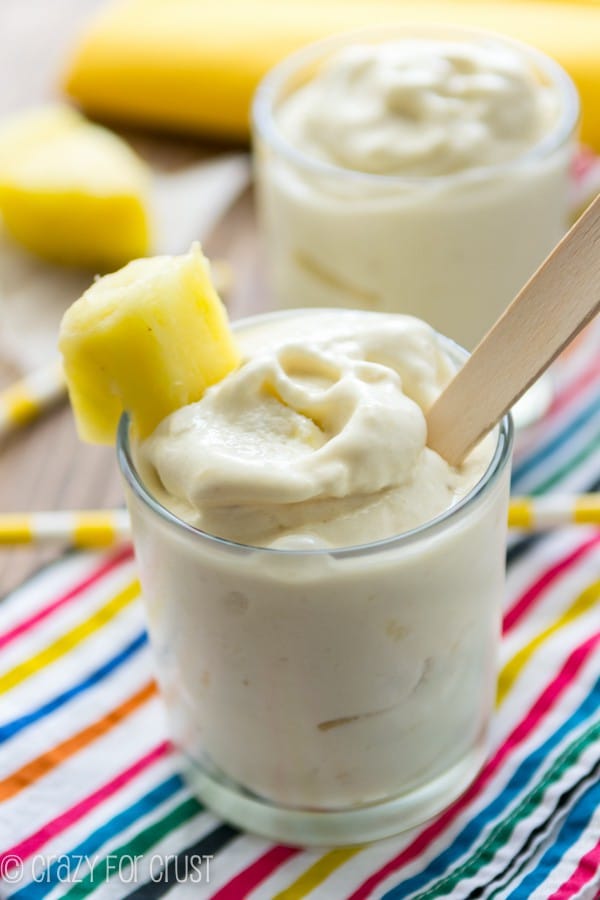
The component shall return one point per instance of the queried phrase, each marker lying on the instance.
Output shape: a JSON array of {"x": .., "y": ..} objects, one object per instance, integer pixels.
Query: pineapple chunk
[
  {"x": 20, "y": 134},
  {"x": 72, "y": 192},
  {"x": 147, "y": 339}
]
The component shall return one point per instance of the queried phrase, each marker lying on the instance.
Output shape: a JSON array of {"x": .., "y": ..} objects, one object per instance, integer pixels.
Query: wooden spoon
[{"x": 555, "y": 304}]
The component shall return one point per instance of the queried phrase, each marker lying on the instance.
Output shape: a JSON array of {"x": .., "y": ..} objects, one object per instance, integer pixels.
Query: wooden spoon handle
[{"x": 555, "y": 304}]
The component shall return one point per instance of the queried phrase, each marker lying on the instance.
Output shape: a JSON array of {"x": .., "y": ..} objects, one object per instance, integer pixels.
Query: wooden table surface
[{"x": 44, "y": 466}]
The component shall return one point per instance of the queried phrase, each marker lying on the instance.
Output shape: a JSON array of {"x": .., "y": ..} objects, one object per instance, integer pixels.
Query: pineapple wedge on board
[{"x": 72, "y": 192}]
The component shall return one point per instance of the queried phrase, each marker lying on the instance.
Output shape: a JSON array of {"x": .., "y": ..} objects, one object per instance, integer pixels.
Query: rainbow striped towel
[{"x": 92, "y": 802}]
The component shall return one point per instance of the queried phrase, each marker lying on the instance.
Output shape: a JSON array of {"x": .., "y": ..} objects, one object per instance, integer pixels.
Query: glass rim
[
  {"x": 497, "y": 464},
  {"x": 265, "y": 123}
]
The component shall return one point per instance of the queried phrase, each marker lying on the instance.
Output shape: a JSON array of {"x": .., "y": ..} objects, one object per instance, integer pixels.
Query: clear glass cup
[
  {"x": 327, "y": 696},
  {"x": 450, "y": 249}
]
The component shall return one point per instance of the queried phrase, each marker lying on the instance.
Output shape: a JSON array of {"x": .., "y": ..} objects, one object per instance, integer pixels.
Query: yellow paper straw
[
  {"x": 92, "y": 528},
  {"x": 105, "y": 527},
  {"x": 28, "y": 398},
  {"x": 554, "y": 510}
]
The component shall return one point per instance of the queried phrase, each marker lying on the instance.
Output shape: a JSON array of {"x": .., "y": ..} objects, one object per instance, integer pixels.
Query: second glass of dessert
[{"x": 422, "y": 171}]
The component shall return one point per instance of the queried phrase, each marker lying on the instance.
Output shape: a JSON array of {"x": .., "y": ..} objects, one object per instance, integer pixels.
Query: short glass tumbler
[
  {"x": 452, "y": 249},
  {"x": 327, "y": 696}
]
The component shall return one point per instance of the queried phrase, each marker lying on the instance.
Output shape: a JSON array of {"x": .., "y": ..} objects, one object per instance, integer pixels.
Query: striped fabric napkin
[{"x": 92, "y": 802}]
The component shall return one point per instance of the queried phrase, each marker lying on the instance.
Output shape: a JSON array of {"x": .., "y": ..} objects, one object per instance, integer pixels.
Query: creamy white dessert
[
  {"x": 330, "y": 679},
  {"x": 420, "y": 107},
  {"x": 318, "y": 439},
  {"x": 418, "y": 175}
]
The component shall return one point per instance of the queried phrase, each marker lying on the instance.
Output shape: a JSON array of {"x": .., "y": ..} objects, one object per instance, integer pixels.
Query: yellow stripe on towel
[
  {"x": 66, "y": 642},
  {"x": 587, "y": 600}
]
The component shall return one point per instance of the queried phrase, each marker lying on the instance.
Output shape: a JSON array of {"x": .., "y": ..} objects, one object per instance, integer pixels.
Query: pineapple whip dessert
[
  {"x": 323, "y": 680},
  {"x": 388, "y": 180},
  {"x": 419, "y": 107},
  {"x": 317, "y": 439}
]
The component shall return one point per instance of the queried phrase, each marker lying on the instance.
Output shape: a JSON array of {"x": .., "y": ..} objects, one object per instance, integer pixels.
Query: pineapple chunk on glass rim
[{"x": 147, "y": 340}]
